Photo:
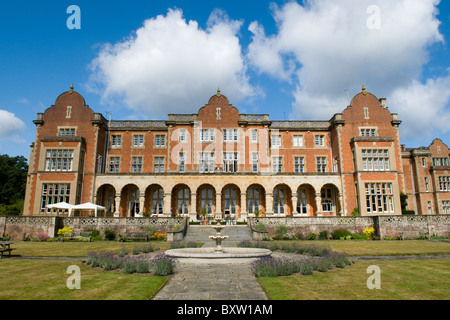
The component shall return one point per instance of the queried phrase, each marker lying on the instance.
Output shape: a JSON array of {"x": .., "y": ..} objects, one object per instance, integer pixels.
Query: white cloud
[
  {"x": 170, "y": 65},
  {"x": 10, "y": 126},
  {"x": 328, "y": 46},
  {"x": 422, "y": 108}
]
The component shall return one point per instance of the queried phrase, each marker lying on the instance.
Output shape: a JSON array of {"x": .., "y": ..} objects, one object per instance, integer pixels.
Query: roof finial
[
  {"x": 71, "y": 88},
  {"x": 364, "y": 89},
  {"x": 218, "y": 92}
]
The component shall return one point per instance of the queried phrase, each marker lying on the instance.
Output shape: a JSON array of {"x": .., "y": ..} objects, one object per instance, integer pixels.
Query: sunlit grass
[
  {"x": 47, "y": 280},
  {"x": 400, "y": 280}
]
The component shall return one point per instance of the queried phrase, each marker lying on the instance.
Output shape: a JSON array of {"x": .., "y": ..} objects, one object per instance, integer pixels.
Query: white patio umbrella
[
  {"x": 61, "y": 205},
  {"x": 89, "y": 206}
]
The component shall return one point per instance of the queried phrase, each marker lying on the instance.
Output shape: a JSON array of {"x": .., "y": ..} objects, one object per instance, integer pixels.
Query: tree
[{"x": 13, "y": 179}]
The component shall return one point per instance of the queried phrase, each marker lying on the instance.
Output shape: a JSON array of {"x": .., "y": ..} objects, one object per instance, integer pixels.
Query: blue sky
[{"x": 291, "y": 59}]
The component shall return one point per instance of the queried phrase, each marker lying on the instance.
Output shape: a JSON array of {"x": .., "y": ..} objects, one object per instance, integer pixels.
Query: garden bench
[
  {"x": 72, "y": 235},
  {"x": 134, "y": 236},
  {"x": 5, "y": 246}
]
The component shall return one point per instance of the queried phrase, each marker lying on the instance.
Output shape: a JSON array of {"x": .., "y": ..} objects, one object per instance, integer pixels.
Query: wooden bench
[
  {"x": 134, "y": 236},
  {"x": 5, "y": 246},
  {"x": 81, "y": 235}
]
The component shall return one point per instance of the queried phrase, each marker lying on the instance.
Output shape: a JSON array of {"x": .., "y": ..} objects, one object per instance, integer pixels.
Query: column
[
  {"x": 117, "y": 205},
  {"x": 318, "y": 204},
  {"x": 167, "y": 204},
  {"x": 193, "y": 207},
  {"x": 294, "y": 204},
  {"x": 269, "y": 203},
  {"x": 243, "y": 206},
  {"x": 141, "y": 205},
  {"x": 218, "y": 213},
  {"x": 341, "y": 204}
]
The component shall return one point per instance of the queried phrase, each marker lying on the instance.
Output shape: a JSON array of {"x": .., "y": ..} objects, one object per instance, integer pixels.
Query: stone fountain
[
  {"x": 218, "y": 237},
  {"x": 218, "y": 254}
]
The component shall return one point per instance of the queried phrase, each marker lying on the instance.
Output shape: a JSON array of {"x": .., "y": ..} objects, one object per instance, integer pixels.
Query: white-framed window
[
  {"x": 446, "y": 207},
  {"x": 297, "y": 140},
  {"x": 116, "y": 140},
  {"x": 182, "y": 159},
  {"x": 230, "y": 135},
  {"x": 54, "y": 193},
  {"x": 136, "y": 164},
  {"x": 157, "y": 201},
  {"x": 319, "y": 140},
  {"x": 66, "y": 132},
  {"x": 427, "y": 187},
  {"x": 254, "y": 134},
  {"x": 183, "y": 200},
  {"x": 253, "y": 199},
  {"x": 321, "y": 164},
  {"x": 114, "y": 164},
  {"x": 160, "y": 140},
  {"x": 444, "y": 183},
  {"x": 138, "y": 140},
  {"x": 379, "y": 197},
  {"x": 230, "y": 162},
  {"x": 276, "y": 141},
  {"x": 206, "y": 162},
  {"x": 327, "y": 199},
  {"x": 302, "y": 201},
  {"x": 182, "y": 135},
  {"x": 207, "y": 135},
  {"x": 254, "y": 162},
  {"x": 440, "y": 162},
  {"x": 59, "y": 160},
  {"x": 277, "y": 164},
  {"x": 279, "y": 199},
  {"x": 424, "y": 162},
  {"x": 158, "y": 165},
  {"x": 299, "y": 164},
  {"x": 375, "y": 159},
  {"x": 367, "y": 132},
  {"x": 207, "y": 200}
]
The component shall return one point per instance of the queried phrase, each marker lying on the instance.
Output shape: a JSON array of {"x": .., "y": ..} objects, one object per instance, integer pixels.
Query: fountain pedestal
[{"x": 218, "y": 237}]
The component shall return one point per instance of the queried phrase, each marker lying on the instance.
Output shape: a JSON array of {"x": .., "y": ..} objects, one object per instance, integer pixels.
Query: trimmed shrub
[
  {"x": 323, "y": 235},
  {"x": 340, "y": 234}
]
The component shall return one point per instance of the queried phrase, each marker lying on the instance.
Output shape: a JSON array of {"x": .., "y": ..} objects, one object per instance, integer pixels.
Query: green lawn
[
  {"x": 400, "y": 280},
  {"x": 381, "y": 248},
  {"x": 403, "y": 279},
  {"x": 75, "y": 248},
  {"x": 47, "y": 280}
]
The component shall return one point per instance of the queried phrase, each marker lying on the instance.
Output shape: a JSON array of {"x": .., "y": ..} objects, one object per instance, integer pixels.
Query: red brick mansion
[{"x": 220, "y": 161}]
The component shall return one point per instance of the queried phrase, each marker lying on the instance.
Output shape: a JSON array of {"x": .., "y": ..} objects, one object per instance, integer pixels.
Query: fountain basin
[{"x": 210, "y": 253}]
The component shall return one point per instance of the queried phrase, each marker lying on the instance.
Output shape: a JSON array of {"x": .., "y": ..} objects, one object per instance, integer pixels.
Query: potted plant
[{"x": 203, "y": 212}]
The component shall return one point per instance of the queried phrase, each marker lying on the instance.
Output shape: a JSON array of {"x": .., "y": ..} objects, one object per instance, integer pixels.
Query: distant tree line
[{"x": 13, "y": 180}]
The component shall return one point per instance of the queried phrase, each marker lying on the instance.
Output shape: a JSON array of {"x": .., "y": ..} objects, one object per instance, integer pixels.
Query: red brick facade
[{"x": 231, "y": 163}]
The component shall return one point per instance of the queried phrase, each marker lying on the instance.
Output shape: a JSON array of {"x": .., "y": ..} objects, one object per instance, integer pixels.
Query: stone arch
[{"x": 105, "y": 196}]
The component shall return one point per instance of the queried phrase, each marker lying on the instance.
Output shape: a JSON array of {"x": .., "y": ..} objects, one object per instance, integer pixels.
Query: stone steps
[{"x": 201, "y": 233}]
